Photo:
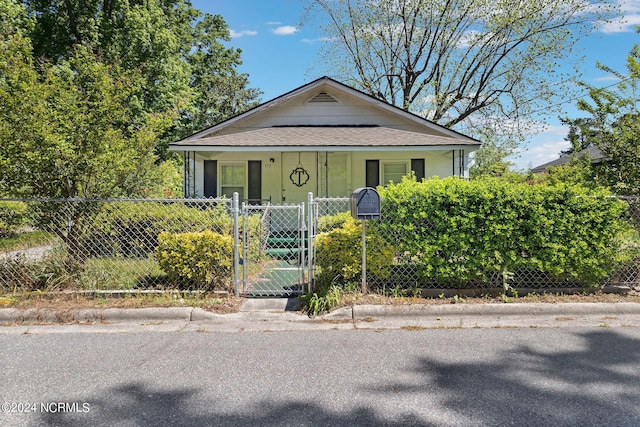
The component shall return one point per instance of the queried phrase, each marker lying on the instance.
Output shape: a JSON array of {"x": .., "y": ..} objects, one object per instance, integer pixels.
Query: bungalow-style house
[{"x": 323, "y": 137}]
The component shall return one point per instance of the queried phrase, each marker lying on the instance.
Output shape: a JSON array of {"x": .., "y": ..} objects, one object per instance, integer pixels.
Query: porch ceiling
[{"x": 303, "y": 138}]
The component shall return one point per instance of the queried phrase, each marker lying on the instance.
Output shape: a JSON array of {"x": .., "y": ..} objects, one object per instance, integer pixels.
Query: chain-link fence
[
  {"x": 110, "y": 244},
  {"x": 406, "y": 272},
  {"x": 201, "y": 244}
]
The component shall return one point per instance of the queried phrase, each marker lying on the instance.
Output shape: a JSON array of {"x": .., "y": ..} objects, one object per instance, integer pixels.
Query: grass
[
  {"x": 29, "y": 239},
  {"x": 111, "y": 273}
]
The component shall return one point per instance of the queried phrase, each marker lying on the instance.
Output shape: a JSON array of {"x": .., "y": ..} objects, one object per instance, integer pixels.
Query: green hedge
[
  {"x": 130, "y": 229},
  {"x": 462, "y": 232}
]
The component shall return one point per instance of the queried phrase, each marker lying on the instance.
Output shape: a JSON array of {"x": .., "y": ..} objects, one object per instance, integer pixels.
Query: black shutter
[
  {"x": 255, "y": 182},
  {"x": 210, "y": 178},
  {"x": 417, "y": 166},
  {"x": 373, "y": 173}
]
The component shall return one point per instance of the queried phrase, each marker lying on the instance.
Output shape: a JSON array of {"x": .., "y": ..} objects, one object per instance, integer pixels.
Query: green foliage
[
  {"x": 130, "y": 229},
  {"x": 489, "y": 160},
  {"x": 52, "y": 272},
  {"x": 322, "y": 301},
  {"x": 484, "y": 230},
  {"x": 331, "y": 222},
  {"x": 339, "y": 253},
  {"x": 471, "y": 64},
  {"x": 69, "y": 130},
  {"x": 179, "y": 51},
  {"x": 13, "y": 215},
  {"x": 200, "y": 259},
  {"x": 615, "y": 128}
]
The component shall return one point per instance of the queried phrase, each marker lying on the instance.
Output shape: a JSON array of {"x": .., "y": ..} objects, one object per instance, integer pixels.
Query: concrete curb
[
  {"x": 358, "y": 313},
  {"x": 512, "y": 309},
  {"x": 12, "y": 315}
]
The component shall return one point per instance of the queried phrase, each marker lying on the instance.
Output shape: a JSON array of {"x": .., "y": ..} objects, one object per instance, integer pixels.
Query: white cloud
[
  {"x": 628, "y": 19},
  {"x": 545, "y": 148},
  {"x": 286, "y": 30},
  {"x": 607, "y": 78},
  {"x": 237, "y": 34},
  {"x": 273, "y": 23},
  {"x": 319, "y": 40}
]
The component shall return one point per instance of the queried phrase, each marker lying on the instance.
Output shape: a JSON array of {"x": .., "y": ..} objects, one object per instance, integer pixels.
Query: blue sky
[{"x": 279, "y": 55}]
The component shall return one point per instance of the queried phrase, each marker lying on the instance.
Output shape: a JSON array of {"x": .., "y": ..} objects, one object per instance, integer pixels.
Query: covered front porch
[{"x": 287, "y": 176}]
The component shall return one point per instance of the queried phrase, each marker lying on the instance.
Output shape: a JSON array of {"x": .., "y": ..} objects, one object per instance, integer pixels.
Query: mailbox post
[{"x": 365, "y": 204}]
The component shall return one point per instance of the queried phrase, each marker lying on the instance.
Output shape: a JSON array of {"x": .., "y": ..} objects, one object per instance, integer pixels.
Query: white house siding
[
  {"x": 349, "y": 111},
  {"x": 346, "y": 170}
]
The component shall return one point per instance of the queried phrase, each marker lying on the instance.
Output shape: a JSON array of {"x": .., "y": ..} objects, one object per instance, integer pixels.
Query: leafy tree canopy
[
  {"x": 67, "y": 129},
  {"x": 615, "y": 117},
  {"x": 178, "y": 50}
]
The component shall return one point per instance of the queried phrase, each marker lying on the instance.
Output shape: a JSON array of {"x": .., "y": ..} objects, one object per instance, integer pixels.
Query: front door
[{"x": 299, "y": 176}]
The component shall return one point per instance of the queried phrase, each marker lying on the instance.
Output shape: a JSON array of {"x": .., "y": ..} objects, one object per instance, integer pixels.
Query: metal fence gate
[{"x": 273, "y": 257}]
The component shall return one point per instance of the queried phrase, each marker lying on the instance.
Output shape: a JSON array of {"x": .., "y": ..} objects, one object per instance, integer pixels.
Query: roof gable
[{"x": 326, "y": 102}]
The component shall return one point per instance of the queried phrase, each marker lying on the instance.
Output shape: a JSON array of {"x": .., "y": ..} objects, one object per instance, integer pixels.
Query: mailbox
[{"x": 365, "y": 203}]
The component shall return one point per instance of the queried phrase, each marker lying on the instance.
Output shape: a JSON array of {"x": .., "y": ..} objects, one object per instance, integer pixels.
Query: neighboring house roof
[
  {"x": 594, "y": 153},
  {"x": 298, "y": 119},
  {"x": 300, "y": 138}
]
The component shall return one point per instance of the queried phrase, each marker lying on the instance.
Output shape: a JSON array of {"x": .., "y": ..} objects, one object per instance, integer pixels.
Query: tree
[
  {"x": 71, "y": 132},
  {"x": 177, "y": 49},
  {"x": 583, "y": 133},
  {"x": 472, "y": 65},
  {"x": 71, "y": 129},
  {"x": 615, "y": 111}
]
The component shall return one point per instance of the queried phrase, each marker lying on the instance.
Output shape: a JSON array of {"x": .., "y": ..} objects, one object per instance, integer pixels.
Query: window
[
  {"x": 232, "y": 179},
  {"x": 393, "y": 172}
]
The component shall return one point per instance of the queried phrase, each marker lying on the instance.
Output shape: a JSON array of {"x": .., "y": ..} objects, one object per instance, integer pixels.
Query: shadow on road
[{"x": 524, "y": 385}]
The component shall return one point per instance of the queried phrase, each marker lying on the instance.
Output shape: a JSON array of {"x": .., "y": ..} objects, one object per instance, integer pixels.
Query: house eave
[
  {"x": 327, "y": 81},
  {"x": 246, "y": 149}
]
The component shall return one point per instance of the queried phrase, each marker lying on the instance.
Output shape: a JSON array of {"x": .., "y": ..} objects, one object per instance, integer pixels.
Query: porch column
[{"x": 189, "y": 182}]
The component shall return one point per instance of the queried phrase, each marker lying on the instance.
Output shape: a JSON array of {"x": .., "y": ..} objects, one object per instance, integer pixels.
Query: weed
[
  {"x": 315, "y": 303},
  {"x": 413, "y": 328},
  {"x": 458, "y": 299}
]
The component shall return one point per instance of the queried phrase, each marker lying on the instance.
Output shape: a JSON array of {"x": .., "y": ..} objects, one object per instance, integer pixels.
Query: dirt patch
[
  {"x": 230, "y": 304},
  {"x": 65, "y": 302},
  {"x": 632, "y": 296}
]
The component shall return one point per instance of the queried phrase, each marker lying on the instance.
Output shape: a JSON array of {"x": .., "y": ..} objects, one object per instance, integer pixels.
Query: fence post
[
  {"x": 236, "y": 242},
  {"x": 310, "y": 235}
]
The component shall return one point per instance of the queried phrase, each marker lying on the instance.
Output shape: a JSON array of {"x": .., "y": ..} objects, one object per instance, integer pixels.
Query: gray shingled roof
[
  {"x": 325, "y": 136},
  {"x": 594, "y": 153}
]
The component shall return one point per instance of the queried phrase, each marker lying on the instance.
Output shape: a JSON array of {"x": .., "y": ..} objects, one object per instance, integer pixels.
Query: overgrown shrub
[
  {"x": 13, "y": 215},
  {"x": 51, "y": 272},
  {"x": 331, "y": 222},
  {"x": 130, "y": 229},
  {"x": 200, "y": 260},
  {"x": 339, "y": 254},
  {"x": 461, "y": 232}
]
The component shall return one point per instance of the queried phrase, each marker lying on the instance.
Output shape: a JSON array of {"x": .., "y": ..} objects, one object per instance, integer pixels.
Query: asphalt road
[{"x": 438, "y": 377}]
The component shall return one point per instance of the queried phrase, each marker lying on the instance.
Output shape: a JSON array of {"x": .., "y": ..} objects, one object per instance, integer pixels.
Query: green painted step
[
  {"x": 283, "y": 253},
  {"x": 283, "y": 242}
]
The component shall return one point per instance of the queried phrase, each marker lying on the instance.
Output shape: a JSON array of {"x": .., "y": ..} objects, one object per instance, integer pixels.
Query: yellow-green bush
[
  {"x": 339, "y": 254},
  {"x": 200, "y": 260}
]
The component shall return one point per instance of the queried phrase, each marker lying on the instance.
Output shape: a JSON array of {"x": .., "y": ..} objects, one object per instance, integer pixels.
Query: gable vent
[{"x": 323, "y": 98}]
